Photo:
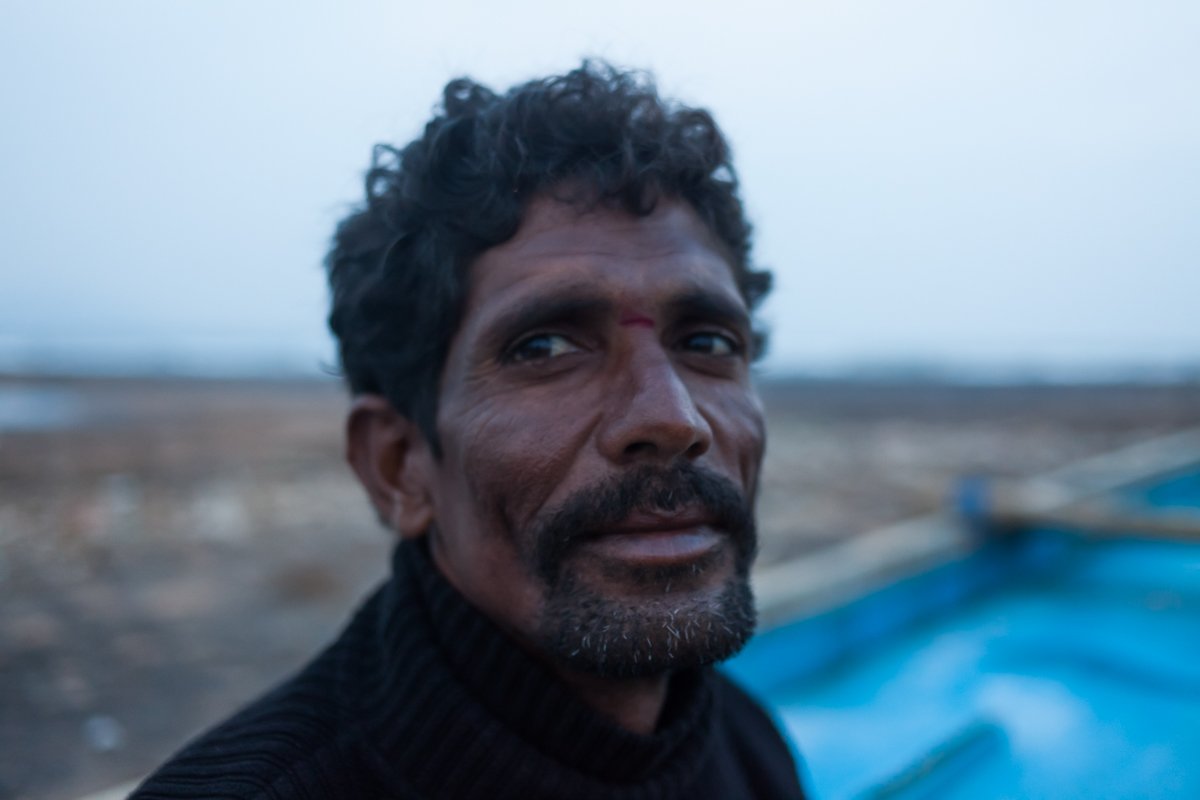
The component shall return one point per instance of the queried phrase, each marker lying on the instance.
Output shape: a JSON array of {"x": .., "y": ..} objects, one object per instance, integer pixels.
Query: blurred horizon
[{"x": 188, "y": 359}]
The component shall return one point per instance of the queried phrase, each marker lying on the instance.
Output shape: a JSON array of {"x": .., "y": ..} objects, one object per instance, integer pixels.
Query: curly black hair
[{"x": 397, "y": 266}]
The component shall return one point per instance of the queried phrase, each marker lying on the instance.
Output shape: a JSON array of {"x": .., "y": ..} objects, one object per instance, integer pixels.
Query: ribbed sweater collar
[{"x": 453, "y": 706}]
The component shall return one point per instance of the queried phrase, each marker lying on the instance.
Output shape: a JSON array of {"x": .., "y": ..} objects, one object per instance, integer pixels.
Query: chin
[{"x": 634, "y": 636}]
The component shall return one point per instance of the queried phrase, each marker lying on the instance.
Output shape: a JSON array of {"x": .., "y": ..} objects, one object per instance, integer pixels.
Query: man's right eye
[{"x": 540, "y": 347}]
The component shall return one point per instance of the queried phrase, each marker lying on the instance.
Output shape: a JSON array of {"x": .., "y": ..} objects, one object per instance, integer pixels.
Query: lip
[
  {"x": 659, "y": 539},
  {"x": 641, "y": 522}
]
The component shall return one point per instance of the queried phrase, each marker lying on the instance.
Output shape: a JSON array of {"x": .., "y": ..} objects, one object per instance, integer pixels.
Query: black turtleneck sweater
[{"x": 422, "y": 696}]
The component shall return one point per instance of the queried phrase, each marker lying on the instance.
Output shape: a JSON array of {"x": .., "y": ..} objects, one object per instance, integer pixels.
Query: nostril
[
  {"x": 698, "y": 448},
  {"x": 641, "y": 449}
]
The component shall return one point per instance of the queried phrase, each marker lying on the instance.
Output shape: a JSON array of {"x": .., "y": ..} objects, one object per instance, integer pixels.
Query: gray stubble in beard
[{"x": 625, "y": 638}]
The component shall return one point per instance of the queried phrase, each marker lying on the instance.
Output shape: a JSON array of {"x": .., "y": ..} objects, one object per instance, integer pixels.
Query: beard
[{"x": 668, "y": 624}]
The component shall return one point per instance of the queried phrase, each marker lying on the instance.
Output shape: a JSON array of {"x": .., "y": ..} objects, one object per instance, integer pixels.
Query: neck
[{"x": 633, "y": 703}]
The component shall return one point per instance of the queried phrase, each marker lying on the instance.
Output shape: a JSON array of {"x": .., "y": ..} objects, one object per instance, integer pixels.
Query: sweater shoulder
[{"x": 286, "y": 744}]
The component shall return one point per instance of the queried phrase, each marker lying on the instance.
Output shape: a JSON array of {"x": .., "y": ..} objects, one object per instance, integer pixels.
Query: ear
[{"x": 393, "y": 462}]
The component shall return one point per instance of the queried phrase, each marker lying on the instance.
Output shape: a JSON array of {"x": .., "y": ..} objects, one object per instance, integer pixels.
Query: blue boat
[{"x": 1042, "y": 641}]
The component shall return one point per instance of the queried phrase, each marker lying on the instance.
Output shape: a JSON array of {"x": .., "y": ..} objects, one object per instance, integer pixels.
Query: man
[{"x": 543, "y": 313}]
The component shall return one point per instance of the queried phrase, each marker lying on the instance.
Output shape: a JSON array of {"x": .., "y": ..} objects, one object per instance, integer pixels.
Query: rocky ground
[{"x": 170, "y": 548}]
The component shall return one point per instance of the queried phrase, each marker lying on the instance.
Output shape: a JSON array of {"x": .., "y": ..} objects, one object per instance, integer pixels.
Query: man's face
[{"x": 601, "y": 442}]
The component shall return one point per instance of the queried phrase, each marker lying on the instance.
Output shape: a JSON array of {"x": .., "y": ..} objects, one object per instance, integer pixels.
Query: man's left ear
[{"x": 394, "y": 463}]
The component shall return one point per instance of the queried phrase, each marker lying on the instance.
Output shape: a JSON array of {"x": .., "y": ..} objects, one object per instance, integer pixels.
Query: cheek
[
  {"x": 515, "y": 456},
  {"x": 739, "y": 433}
]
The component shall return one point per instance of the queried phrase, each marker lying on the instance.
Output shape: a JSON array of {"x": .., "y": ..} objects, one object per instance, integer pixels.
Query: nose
[{"x": 652, "y": 414}]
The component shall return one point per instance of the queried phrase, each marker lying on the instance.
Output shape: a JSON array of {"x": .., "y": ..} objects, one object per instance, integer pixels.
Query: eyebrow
[
  {"x": 537, "y": 312},
  {"x": 706, "y": 305}
]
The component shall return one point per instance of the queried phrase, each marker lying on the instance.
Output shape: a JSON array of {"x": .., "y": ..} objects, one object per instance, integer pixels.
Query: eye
[
  {"x": 711, "y": 343},
  {"x": 540, "y": 347}
]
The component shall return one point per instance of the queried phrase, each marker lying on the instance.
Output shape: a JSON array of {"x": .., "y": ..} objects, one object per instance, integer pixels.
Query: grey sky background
[{"x": 990, "y": 186}]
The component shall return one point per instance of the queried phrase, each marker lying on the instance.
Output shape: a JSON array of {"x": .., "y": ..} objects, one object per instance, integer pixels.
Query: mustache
[{"x": 589, "y": 513}]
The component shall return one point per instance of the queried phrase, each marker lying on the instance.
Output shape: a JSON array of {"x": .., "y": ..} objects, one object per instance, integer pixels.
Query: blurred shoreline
[{"x": 52, "y": 399}]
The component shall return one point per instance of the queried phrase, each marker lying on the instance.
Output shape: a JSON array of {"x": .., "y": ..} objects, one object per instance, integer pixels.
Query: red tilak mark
[{"x": 645, "y": 322}]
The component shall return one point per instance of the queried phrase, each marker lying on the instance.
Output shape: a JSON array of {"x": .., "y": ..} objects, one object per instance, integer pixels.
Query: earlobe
[{"x": 393, "y": 462}]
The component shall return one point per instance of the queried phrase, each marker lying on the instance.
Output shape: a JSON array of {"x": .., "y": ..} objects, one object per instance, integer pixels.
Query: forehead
[{"x": 629, "y": 259}]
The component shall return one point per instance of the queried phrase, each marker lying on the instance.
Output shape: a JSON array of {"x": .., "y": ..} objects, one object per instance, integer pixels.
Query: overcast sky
[{"x": 989, "y": 184}]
